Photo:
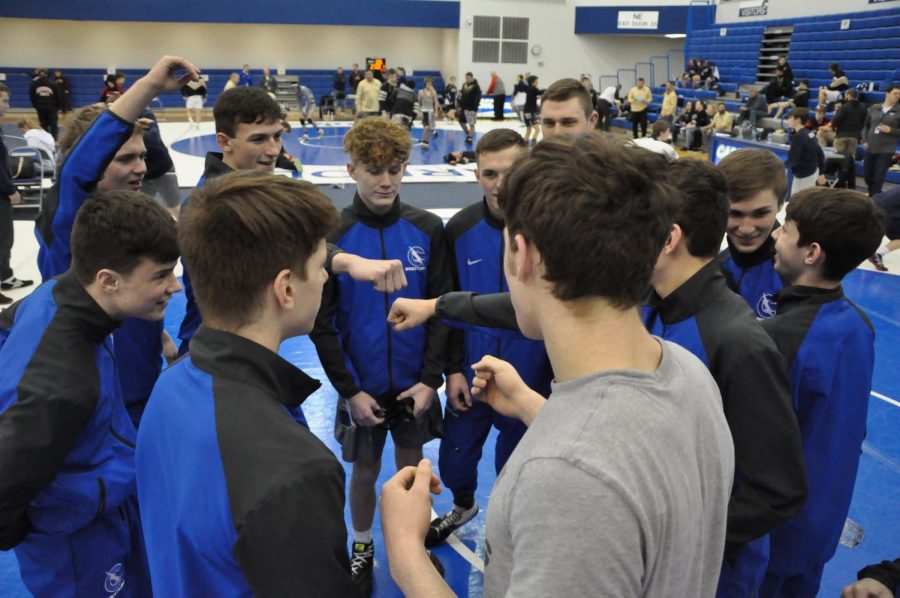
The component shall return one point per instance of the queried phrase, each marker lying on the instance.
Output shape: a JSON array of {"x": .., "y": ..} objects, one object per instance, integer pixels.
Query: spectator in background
[
  {"x": 339, "y": 89},
  {"x": 530, "y": 112},
  {"x": 709, "y": 74},
  {"x": 194, "y": 94},
  {"x": 268, "y": 83},
  {"x": 800, "y": 99},
  {"x": 660, "y": 140},
  {"x": 848, "y": 124},
  {"x": 469, "y": 99},
  {"x": 753, "y": 109},
  {"x": 306, "y": 106},
  {"x": 497, "y": 91},
  {"x": 245, "y": 79},
  {"x": 41, "y": 140},
  {"x": 818, "y": 121},
  {"x": 683, "y": 119},
  {"x": 367, "y": 96},
  {"x": 805, "y": 158},
  {"x": 45, "y": 101},
  {"x": 589, "y": 87},
  {"x": 430, "y": 108},
  {"x": 669, "y": 103},
  {"x": 232, "y": 82},
  {"x": 693, "y": 129},
  {"x": 881, "y": 131},
  {"x": 778, "y": 88},
  {"x": 609, "y": 97},
  {"x": 113, "y": 87},
  {"x": 63, "y": 92},
  {"x": 722, "y": 121},
  {"x": 388, "y": 93},
  {"x": 786, "y": 69},
  {"x": 355, "y": 77},
  {"x": 639, "y": 97},
  {"x": 9, "y": 196},
  {"x": 451, "y": 96},
  {"x": 691, "y": 75},
  {"x": 518, "y": 101},
  {"x": 839, "y": 84}
]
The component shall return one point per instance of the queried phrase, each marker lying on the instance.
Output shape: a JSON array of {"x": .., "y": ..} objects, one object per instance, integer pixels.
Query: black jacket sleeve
[
  {"x": 437, "y": 334},
  {"x": 7, "y": 187},
  {"x": 794, "y": 152},
  {"x": 456, "y": 343},
  {"x": 295, "y": 542},
  {"x": 490, "y": 311},
  {"x": 886, "y": 572}
]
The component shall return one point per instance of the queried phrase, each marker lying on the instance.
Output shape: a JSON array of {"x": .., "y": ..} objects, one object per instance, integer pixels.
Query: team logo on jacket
[
  {"x": 416, "y": 258},
  {"x": 115, "y": 579},
  {"x": 766, "y": 306}
]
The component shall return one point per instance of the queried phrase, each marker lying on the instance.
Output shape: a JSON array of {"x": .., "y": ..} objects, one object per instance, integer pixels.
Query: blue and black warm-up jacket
[
  {"x": 829, "y": 346},
  {"x": 710, "y": 321},
  {"x": 753, "y": 276},
  {"x": 236, "y": 498},
  {"x": 138, "y": 343},
  {"x": 358, "y": 349},
  {"x": 66, "y": 440},
  {"x": 476, "y": 242}
]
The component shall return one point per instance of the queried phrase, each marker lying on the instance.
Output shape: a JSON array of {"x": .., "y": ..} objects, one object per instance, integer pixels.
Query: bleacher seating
[{"x": 85, "y": 84}]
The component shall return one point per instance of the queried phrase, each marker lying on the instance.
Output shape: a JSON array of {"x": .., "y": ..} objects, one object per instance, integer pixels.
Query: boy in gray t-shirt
[{"x": 620, "y": 486}]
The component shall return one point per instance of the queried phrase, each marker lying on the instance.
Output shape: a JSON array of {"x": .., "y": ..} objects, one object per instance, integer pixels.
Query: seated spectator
[
  {"x": 41, "y": 140},
  {"x": 692, "y": 74},
  {"x": 800, "y": 99},
  {"x": 268, "y": 83},
  {"x": 835, "y": 90},
  {"x": 820, "y": 124},
  {"x": 754, "y": 107},
  {"x": 660, "y": 140},
  {"x": 722, "y": 121},
  {"x": 778, "y": 88},
  {"x": 232, "y": 82},
  {"x": 113, "y": 87},
  {"x": 683, "y": 119},
  {"x": 693, "y": 137},
  {"x": 244, "y": 78},
  {"x": 709, "y": 74}
]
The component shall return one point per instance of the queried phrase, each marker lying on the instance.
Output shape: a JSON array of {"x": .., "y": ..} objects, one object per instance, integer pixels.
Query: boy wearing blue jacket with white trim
[
  {"x": 829, "y": 346},
  {"x": 67, "y": 483},
  {"x": 385, "y": 379}
]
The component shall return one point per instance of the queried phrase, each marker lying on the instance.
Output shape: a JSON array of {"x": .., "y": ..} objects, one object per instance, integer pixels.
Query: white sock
[
  {"x": 883, "y": 250},
  {"x": 364, "y": 537}
]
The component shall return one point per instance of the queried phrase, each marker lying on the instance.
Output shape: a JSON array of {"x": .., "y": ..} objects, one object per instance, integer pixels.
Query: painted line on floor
[
  {"x": 878, "y": 395},
  {"x": 463, "y": 550},
  {"x": 891, "y": 464}
]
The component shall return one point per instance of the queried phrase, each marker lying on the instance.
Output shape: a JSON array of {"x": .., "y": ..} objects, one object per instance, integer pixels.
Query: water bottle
[{"x": 852, "y": 534}]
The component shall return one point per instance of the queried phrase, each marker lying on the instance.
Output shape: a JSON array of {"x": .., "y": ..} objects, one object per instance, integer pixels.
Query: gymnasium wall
[{"x": 728, "y": 11}]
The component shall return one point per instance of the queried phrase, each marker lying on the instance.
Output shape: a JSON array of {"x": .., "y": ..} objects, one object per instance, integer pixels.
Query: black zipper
[
  {"x": 387, "y": 309},
  {"x": 102, "y": 502},
  {"x": 500, "y": 288}
]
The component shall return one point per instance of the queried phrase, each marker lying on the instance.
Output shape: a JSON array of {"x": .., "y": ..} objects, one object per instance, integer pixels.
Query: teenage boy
[
  {"x": 273, "y": 521},
  {"x": 826, "y": 234},
  {"x": 805, "y": 157},
  {"x": 757, "y": 184},
  {"x": 469, "y": 100},
  {"x": 384, "y": 379},
  {"x": 475, "y": 236},
  {"x": 9, "y": 195},
  {"x": 67, "y": 484},
  {"x": 691, "y": 305},
  {"x": 621, "y": 485},
  {"x": 660, "y": 140},
  {"x": 103, "y": 149}
]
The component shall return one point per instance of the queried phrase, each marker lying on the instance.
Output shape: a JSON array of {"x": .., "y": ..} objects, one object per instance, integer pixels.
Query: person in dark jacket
[
  {"x": 194, "y": 94},
  {"x": 692, "y": 306},
  {"x": 63, "y": 92},
  {"x": 9, "y": 195},
  {"x": 268, "y": 82},
  {"x": 693, "y": 128},
  {"x": 754, "y": 108},
  {"x": 388, "y": 94},
  {"x": 782, "y": 64},
  {"x": 848, "y": 124},
  {"x": 45, "y": 99},
  {"x": 757, "y": 185},
  {"x": 67, "y": 480},
  {"x": 876, "y": 581},
  {"x": 385, "y": 380},
  {"x": 113, "y": 87},
  {"x": 805, "y": 159},
  {"x": 469, "y": 100},
  {"x": 531, "y": 114},
  {"x": 827, "y": 233},
  {"x": 778, "y": 88},
  {"x": 339, "y": 89},
  {"x": 273, "y": 495},
  {"x": 160, "y": 181},
  {"x": 475, "y": 236},
  {"x": 881, "y": 133}
]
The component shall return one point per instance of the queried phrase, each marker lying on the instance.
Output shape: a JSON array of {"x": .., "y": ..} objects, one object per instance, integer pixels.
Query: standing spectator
[
  {"x": 339, "y": 89},
  {"x": 9, "y": 196},
  {"x": 469, "y": 99},
  {"x": 268, "y": 83},
  {"x": 497, "y": 90},
  {"x": 609, "y": 97},
  {"x": 881, "y": 131},
  {"x": 669, "y": 103},
  {"x": 245, "y": 79},
  {"x": 754, "y": 108},
  {"x": 355, "y": 77},
  {"x": 194, "y": 94},
  {"x": 401, "y": 75},
  {"x": 639, "y": 97},
  {"x": 787, "y": 70},
  {"x": 387, "y": 95},
  {"x": 232, "y": 82},
  {"x": 41, "y": 140},
  {"x": 530, "y": 111},
  {"x": 722, "y": 121},
  {"x": 518, "y": 100},
  {"x": 805, "y": 158},
  {"x": 450, "y": 97},
  {"x": 45, "y": 100},
  {"x": 406, "y": 104},
  {"x": 63, "y": 92},
  {"x": 367, "y": 93},
  {"x": 839, "y": 84},
  {"x": 848, "y": 124}
]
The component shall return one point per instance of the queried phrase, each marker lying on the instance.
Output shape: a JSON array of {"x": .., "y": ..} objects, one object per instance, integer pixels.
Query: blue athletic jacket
[
  {"x": 357, "y": 347},
  {"x": 829, "y": 345},
  {"x": 711, "y": 322},
  {"x": 236, "y": 498},
  {"x": 475, "y": 237},
  {"x": 66, "y": 440},
  {"x": 138, "y": 343},
  {"x": 753, "y": 276}
]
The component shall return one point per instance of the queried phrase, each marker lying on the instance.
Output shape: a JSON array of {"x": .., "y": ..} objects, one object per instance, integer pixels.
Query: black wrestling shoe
[{"x": 362, "y": 562}]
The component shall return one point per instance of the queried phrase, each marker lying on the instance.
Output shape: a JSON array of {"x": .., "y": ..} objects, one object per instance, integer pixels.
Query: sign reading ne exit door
[{"x": 645, "y": 19}]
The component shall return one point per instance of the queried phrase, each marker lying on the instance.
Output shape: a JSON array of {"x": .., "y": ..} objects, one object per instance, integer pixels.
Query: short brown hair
[
  {"x": 239, "y": 230},
  {"x": 597, "y": 211},
  {"x": 81, "y": 121},
  {"x": 27, "y": 124},
  {"x": 750, "y": 171},
  {"x": 244, "y": 105},
  {"x": 116, "y": 229},
  {"x": 498, "y": 140},
  {"x": 378, "y": 142},
  {"x": 845, "y": 223},
  {"x": 801, "y": 114},
  {"x": 659, "y": 127},
  {"x": 566, "y": 89},
  {"x": 701, "y": 205}
]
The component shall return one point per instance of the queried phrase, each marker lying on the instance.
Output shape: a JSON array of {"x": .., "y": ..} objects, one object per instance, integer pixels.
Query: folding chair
[{"x": 32, "y": 188}]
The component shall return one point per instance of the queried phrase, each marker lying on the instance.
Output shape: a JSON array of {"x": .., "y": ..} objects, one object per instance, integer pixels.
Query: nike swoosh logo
[{"x": 473, "y": 262}]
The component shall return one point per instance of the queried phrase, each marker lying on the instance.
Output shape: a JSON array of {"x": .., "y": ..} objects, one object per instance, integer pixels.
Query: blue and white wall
[{"x": 728, "y": 11}]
